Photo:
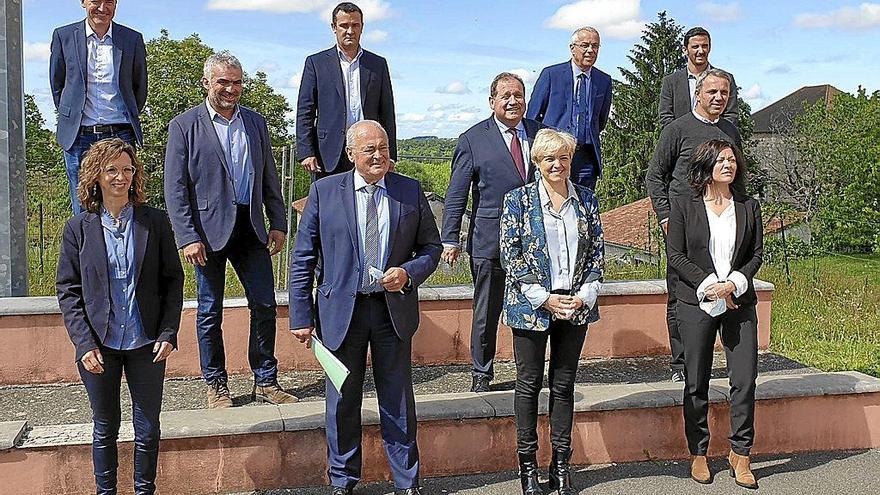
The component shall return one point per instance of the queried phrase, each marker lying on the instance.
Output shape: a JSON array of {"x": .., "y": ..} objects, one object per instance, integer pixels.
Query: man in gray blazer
[
  {"x": 219, "y": 175},
  {"x": 98, "y": 76},
  {"x": 677, "y": 94}
]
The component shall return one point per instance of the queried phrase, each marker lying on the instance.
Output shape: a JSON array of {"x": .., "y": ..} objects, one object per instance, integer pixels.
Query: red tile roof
[{"x": 629, "y": 225}]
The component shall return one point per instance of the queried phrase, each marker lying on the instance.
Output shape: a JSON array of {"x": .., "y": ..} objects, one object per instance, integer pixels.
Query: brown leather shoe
[
  {"x": 218, "y": 395},
  {"x": 273, "y": 394},
  {"x": 741, "y": 470},
  {"x": 700, "y": 470}
]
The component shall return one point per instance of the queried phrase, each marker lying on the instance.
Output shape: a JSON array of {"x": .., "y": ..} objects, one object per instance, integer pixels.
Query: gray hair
[
  {"x": 585, "y": 29},
  {"x": 714, "y": 73},
  {"x": 352, "y": 131},
  {"x": 224, "y": 58}
]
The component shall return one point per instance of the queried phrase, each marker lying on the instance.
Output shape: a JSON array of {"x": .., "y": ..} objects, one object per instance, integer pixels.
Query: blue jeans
[
  {"x": 144, "y": 378},
  {"x": 74, "y": 156},
  {"x": 252, "y": 264}
]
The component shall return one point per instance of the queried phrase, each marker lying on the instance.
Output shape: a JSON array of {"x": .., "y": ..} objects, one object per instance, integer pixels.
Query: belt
[
  {"x": 371, "y": 295},
  {"x": 104, "y": 128}
]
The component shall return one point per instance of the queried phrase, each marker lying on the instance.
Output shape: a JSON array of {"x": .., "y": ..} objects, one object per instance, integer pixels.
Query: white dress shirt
[
  {"x": 722, "y": 244},
  {"x": 104, "y": 104},
  {"x": 351, "y": 81},
  {"x": 561, "y": 236},
  {"x": 381, "y": 198},
  {"x": 692, "y": 85},
  {"x": 523, "y": 140}
]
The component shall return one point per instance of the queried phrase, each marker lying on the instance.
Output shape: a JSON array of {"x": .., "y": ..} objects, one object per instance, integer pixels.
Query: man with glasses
[
  {"x": 575, "y": 97},
  {"x": 98, "y": 76}
]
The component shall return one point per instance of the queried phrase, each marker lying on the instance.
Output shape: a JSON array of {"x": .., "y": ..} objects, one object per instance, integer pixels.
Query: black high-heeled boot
[
  {"x": 560, "y": 472},
  {"x": 528, "y": 474}
]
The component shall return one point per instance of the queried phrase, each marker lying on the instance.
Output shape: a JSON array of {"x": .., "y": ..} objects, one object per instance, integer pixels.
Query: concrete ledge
[{"x": 11, "y": 433}]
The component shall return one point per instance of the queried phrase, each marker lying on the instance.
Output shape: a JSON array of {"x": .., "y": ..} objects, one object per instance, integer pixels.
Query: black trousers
[
  {"x": 344, "y": 165},
  {"x": 488, "y": 276},
  {"x": 676, "y": 348},
  {"x": 529, "y": 348},
  {"x": 739, "y": 335}
]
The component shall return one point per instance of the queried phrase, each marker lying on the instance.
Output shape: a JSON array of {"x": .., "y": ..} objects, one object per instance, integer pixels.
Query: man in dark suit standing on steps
[
  {"x": 575, "y": 97},
  {"x": 340, "y": 86},
  {"x": 491, "y": 158},
  {"x": 677, "y": 94}
]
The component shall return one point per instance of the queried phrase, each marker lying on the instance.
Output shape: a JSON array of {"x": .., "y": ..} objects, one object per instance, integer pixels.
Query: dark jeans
[
  {"x": 74, "y": 156},
  {"x": 252, "y": 264},
  {"x": 392, "y": 373},
  {"x": 584, "y": 169},
  {"x": 739, "y": 336},
  {"x": 145, "y": 386},
  {"x": 529, "y": 347},
  {"x": 488, "y": 277}
]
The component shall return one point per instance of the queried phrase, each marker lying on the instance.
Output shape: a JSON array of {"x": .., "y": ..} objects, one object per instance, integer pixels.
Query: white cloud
[
  {"x": 613, "y": 18},
  {"x": 720, "y": 12},
  {"x": 268, "y": 67},
  {"x": 412, "y": 117},
  {"x": 463, "y": 117},
  {"x": 374, "y": 10},
  {"x": 528, "y": 76},
  {"x": 375, "y": 36},
  {"x": 454, "y": 88},
  {"x": 866, "y": 16},
  {"x": 292, "y": 82},
  {"x": 754, "y": 93},
  {"x": 36, "y": 52}
]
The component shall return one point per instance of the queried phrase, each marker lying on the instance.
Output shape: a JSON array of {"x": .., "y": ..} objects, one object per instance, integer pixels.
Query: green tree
[{"x": 41, "y": 151}]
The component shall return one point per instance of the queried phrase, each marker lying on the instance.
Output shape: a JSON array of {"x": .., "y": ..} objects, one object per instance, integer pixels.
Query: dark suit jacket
[
  {"x": 198, "y": 182},
  {"x": 68, "y": 64},
  {"x": 675, "y": 98},
  {"x": 482, "y": 163},
  {"x": 328, "y": 229},
  {"x": 687, "y": 245},
  {"x": 320, "y": 107},
  {"x": 553, "y": 97},
  {"x": 82, "y": 280}
]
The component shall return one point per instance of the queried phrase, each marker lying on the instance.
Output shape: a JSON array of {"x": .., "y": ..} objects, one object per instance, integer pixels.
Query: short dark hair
[
  {"x": 346, "y": 7},
  {"x": 696, "y": 31},
  {"x": 703, "y": 159},
  {"x": 505, "y": 76}
]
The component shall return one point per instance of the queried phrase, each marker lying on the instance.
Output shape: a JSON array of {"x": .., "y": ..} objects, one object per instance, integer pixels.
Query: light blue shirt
[
  {"x": 523, "y": 140},
  {"x": 104, "y": 103},
  {"x": 588, "y": 87},
  {"x": 351, "y": 79},
  {"x": 234, "y": 141},
  {"x": 361, "y": 198},
  {"x": 126, "y": 331}
]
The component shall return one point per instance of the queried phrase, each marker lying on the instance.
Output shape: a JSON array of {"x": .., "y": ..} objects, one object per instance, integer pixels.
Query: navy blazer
[
  {"x": 68, "y": 64},
  {"x": 321, "y": 107},
  {"x": 482, "y": 163},
  {"x": 328, "y": 230},
  {"x": 553, "y": 97},
  {"x": 83, "y": 279},
  {"x": 675, "y": 98},
  {"x": 198, "y": 182}
]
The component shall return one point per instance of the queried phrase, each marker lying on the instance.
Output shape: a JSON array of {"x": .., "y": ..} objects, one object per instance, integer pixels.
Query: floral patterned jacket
[{"x": 526, "y": 260}]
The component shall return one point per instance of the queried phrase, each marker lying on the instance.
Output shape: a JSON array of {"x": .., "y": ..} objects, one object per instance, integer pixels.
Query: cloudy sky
[{"x": 443, "y": 54}]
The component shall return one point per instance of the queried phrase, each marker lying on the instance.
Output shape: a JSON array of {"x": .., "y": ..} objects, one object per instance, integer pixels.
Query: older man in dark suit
[
  {"x": 491, "y": 159},
  {"x": 340, "y": 86},
  {"x": 366, "y": 221},
  {"x": 219, "y": 175},
  {"x": 98, "y": 76}
]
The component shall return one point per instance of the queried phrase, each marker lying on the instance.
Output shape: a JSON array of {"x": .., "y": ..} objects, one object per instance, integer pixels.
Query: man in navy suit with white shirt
[
  {"x": 575, "y": 97},
  {"x": 98, "y": 77}
]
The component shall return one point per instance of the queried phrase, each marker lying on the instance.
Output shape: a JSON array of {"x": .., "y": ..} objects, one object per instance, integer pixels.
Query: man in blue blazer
[
  {"x": 219, "y": 175},
  {"x": 491, "y": 159},
  {"x": 98, "y": 76},
  {"x": 366, "y": 221},
  {"x": 575, "y": 97},
  {"x": 340, "y": 86}
]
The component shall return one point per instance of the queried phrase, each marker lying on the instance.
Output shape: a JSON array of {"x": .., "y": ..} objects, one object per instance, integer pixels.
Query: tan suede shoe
[
  {"x": 273, "y": 394},
  {"x": 218, "y": 396},
  {"x": 700, "y": 470},
  {"x": 741, "y": 470}
]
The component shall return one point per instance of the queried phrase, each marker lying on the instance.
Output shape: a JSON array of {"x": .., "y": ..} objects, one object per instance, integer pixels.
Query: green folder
[{"x": 333, "y": 367}]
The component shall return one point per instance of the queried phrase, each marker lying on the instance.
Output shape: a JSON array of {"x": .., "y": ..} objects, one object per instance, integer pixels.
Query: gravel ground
[{"x": 66, "y": 404}]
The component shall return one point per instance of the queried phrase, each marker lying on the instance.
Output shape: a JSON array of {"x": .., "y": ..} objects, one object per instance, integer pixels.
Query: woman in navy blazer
[
  {"x": 120, "y": 289},
  {"x": 716, "y": 246},
  {"x": 552, "y": 251}
]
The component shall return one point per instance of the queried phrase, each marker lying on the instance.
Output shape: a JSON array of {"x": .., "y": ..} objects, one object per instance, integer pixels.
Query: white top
[
  {"x": 722, "y": 244},
  {"x": 692, "y": 84},
  {"x": 104, "y": 104},
  {"x": 361, "y": 197},
  {"x": 351, "y": 81}
]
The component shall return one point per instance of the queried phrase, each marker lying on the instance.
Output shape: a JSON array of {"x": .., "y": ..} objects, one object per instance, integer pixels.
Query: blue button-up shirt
[
  {"x": 126, "y": 331},
  {"x": 104, "y": 103},
  {"x": 234, "y": 141}
]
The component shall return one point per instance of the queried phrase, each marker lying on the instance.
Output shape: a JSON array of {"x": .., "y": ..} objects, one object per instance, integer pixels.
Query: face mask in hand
[{"x": 714, "y": 308}]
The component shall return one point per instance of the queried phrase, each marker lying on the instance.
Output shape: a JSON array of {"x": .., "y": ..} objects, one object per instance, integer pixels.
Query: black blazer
[
  {"x": 687, "y": 245},
  {"x": 83, "y": 281}
]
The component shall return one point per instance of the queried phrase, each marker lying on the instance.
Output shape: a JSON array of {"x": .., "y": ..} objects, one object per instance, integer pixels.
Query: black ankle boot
[
  {"x": 560, "y": 472},
  {"x": 528, "y": 474}
]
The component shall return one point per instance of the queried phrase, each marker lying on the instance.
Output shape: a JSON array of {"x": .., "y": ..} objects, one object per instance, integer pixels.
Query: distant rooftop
[{"x": 780, "y": 114}]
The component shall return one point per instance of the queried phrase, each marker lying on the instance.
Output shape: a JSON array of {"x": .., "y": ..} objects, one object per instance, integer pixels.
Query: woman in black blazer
[
  {"x": 716, "y": 246},
  {"x": 120, "y": 289}
]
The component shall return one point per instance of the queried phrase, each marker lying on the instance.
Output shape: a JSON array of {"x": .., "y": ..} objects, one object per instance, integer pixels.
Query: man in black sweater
[{"x": 667, "y": 173}]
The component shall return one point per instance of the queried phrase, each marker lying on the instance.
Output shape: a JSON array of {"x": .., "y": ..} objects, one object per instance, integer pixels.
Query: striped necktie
[{"x": 371, "y": 242}]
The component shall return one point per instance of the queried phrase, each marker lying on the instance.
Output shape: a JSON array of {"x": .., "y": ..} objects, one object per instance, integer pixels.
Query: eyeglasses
[
  {"x": 585, "y": 46},
  {"x": 114, "y": 172}
]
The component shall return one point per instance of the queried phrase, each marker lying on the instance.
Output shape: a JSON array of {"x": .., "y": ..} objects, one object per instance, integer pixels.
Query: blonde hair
[
  {"x": 549, "y": 142},
  {"x": 92, "y": 166}
]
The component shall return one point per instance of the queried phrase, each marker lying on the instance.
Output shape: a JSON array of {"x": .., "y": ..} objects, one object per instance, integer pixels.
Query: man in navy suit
[
  {"x": 366, "y": 220},
  {"x": 219, "y": 175},
  {"x": 98, "y": 76},
  {"x": 340, "y": 86},
  {"x": 575, "y": 97},
  {"x": 491, "y": 159}
]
